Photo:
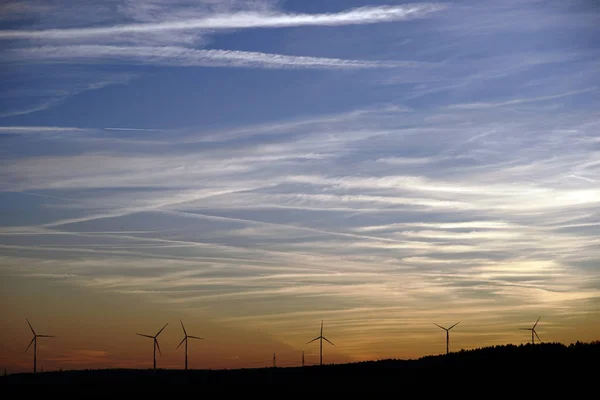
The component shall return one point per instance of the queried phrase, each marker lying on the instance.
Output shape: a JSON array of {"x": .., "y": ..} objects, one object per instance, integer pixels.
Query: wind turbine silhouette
[
  {"x": 321, "y": 338},
  {"x": 155, "y": 343},
  {"x": 185, "y": 339},
  {"x": 447, "y": 335},
  {"x": 34, "y": 342},
  {"x": 533, "y": 331}
]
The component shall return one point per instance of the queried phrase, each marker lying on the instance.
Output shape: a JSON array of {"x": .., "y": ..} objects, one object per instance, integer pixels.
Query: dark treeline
[{"x": 573, "y": 366}]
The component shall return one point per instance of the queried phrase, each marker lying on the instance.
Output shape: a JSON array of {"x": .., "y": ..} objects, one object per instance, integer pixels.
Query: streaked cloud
[
  {"x": 520, "y": 101},
  {"x": 44, "y": 105},
  {"x": 382, "y": 177},
  {"x": 173, "y": 34},
  {"x": 36, "y": 129},
  {"x": 133, "y": 129},
  {"x": 241, "y": 20},
  {"x": 181, "y": 56},
  {"x": 73, "y": 85}
]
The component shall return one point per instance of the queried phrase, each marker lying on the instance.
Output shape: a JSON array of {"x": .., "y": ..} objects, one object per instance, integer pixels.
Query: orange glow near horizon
[{"x": 97, "y": 331}]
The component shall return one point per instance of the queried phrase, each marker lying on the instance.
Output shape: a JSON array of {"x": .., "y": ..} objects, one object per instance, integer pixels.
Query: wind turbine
[
  {"x": 155, "y": 343},
  {"x": 321, "y": 338},
  {"x": 447, "y": 335},
  {"x": 34, "y": 341},
  {"x": 185, "y": 339},
  {"x": 533, "y": 331}
]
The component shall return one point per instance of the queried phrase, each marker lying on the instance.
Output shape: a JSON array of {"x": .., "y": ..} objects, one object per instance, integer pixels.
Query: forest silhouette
[{"x": 554, "y": 363}]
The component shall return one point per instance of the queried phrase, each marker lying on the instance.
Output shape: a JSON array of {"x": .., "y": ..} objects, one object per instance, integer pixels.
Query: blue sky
[{"x": 378, "y": 164}]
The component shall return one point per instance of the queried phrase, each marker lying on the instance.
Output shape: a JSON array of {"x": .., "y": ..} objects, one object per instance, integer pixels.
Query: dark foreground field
[{"x": 549, "y": 365}]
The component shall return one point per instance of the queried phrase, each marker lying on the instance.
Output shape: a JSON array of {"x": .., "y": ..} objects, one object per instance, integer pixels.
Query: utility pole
[
  {"x": 303, "y": 358},
  {"x": 274, "y": 361}
]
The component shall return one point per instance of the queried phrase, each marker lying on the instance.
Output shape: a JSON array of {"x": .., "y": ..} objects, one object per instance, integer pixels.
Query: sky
[{"x": 252, "y": 167}]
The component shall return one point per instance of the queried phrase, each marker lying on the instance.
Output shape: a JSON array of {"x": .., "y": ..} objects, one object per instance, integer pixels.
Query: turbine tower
[
  {"x": 154, "y": 338},
  {"x": 321, "y": 338},
  {"x": 533, "y": 332},
  {"x": 185, "y": 339},
  {"x": 447, "y": 335},
  {"x": 34, "y": 342}
]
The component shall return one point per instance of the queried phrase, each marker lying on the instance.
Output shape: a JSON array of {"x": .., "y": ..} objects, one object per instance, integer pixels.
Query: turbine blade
[
  {"x": 148, "y": 336},
  {"x": 537, "y": 336},
  {"x": 45, "y": 336},
  {"x": 524, "y": 329},
  {"x": 536, "y": 322},
  {"x": 184, "y": 332},
  {"x": 157, "y": 346},
  {"x": 324, "y": 338},
  {"x": 30, "y": 327},
  {"x": 183, "y": 340},
  {"x": 30, "y": 343},
  {"x": 317, "y": 338},
  {"x": 439, "y": 326},
  {"x": 161, "y": 329},
  {"x": 196, "y": 337},
  {"x": 454, "y": 325}
]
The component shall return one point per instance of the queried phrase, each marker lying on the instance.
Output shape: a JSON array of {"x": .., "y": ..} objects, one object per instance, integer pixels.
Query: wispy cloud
[
  {"x": 134, "y": 129},
  {"x": 169, "y": 34},
  {"x": 72, "y": 88},
  {"x": 44, "y": 105},
  {"x": 520, "y": 101},
  {"x": 37, "y": 129},
  {"x": 241, "y": 20},
  {"x": 582, "y": 178},
  {"x": 181, "y": 56},
  {"x": 15, "y": 10},
  {"x": 462, "y": 185}
]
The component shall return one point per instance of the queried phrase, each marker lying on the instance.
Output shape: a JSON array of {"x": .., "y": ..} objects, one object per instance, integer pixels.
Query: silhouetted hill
[{"x": 573, "y": 366}]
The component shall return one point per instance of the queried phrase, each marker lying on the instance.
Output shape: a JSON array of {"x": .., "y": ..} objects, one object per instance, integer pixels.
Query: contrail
[
  {"x": 240, "y": 20},
  {"x": 133, "y": 129},
  {"x": 37, "y": 129},
  {"x": 186, "y": 57}
]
